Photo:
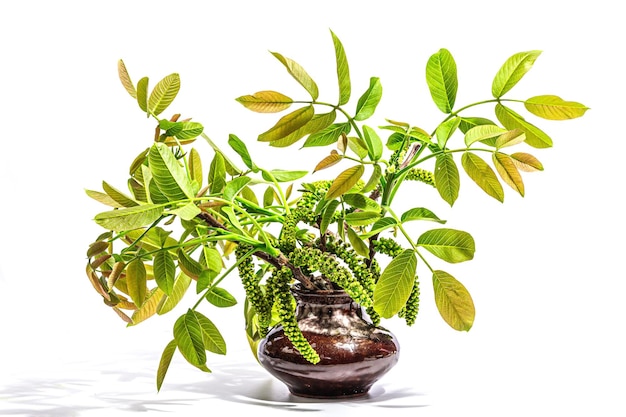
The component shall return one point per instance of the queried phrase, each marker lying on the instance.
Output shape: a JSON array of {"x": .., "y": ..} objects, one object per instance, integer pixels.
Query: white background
[{"x": 548, "y": 276}]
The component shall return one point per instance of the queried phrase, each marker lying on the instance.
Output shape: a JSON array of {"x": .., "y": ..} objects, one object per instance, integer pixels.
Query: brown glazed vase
[{"x": 354, "y": 353}]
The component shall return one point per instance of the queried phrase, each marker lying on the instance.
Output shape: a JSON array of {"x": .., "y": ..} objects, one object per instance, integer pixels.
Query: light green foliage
[{"x": 188, "y": 216}]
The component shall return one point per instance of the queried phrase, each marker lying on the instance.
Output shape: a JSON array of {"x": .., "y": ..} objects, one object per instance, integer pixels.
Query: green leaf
[
  {"x": 136, "y": 281},
  {"x": 446, "y": 130},
  {"x": 219, "y": 297},
  {"x": 345, "y": 181},
  {"x": 268, "y": 196},
  {"x": 442, "y": 81},
  {"x": 168, "y": 174},
  {"x": 195, "y": 167},
  {"x": 288, "y": 124},
  {"x": 282, "y": 175},
  {"x": 168, "y": 302},
  {"x": 299, "y": 74},
  {"x": 343, "y": 71},
  {"x": 420, "y": 213},
  {"x": 318, "y": 123},
  {"x": 212, "y": 339},
  {"x": 469, "y": 122},
  {"x": 511, "y": 120},
  {"x": 189, "y": 130},
  {"x": 129, "y": 218},
  {"x": 189, "y": 338},
  {"x": 103, "y": 198},
  {"x": 554, "y": 108},
  {"x": 357, "y": 243},
  {"x": 217, "y": 174},
  {"x": 163, "y": 94},
  {"x": 186, "y": 212},
  {"x": 451, "y": 245},
  {"x": 142, "y": 94},
  {"x": 242, "y": 150},
  {"x": 512, "y": 71},
  {"x": 381, "y": 225},
  {"x": 369, "y": 100},
  {"x": 265, "y": 102},
  {"x": 164, "y": 271},
  {"x": 373, "y": 142},
  {"x": 374, "y": 179},
  {"x": 327, "y": 215},
  {"x": 508, "y": 171},
  {"x": 125, "y": 79},
  {"x": 447, "y": 178},
  {"x": 510, "y": 138},
  {"x": 188, "y": 265},
  {"x": 119, "y": 197},
  {"x": 327, "y": 136},
  {"x": 358, "y": 146},
  {"x": 395, "y": 284},
  {"x": 482, "y": 133},
  {"x": 360, "y": 201},
  {"x": 482, "y": 174},
  {"x": 164, "y": 363},
  {"x": 453, "y": 301},
  {"x": 233, "y": 187},
  {"x": 361, "y": 218}
]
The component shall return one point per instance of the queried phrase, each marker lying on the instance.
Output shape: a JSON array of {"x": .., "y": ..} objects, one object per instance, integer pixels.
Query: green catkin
[
  {"x": 411, "y": 308},
  {"x": 315, "y": 259},
  {"x": 387, "y": 246},
  {"x": 422, "y": 175},
  {"x": 254, "y": 292},
  {"x": 285, "y": 304},
  {"x": 354, "y": 262}
]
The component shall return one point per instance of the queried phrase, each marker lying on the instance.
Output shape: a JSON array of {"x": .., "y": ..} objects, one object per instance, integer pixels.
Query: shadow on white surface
[{"x": 91, "y": 389}]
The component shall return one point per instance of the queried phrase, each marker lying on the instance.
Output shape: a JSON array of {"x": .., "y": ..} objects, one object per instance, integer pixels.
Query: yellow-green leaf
[
  {"x": 482, "y": 132},
  {"x": 526, "y": 162},
  {"x": 212, "y": 339},
  {"x": 164, "y": 93},
  {"x": 288, "y": 124},
  {"x": 164, "y": 271},
  {"x": 125, "y": 79},
  {"x": 142, "y": 94},
  {"x": 343, "y": 71},
  {"x": 510, "y": 138},
  {"x": 535, "y": 137},
  {"x": 220, "y": 297},
  {"x": 369, "y": 100},
  {"x": 512, "y": 71},
  {"x": 189, "y": 338},
  {"x": 167, "y": 303},
  {"x": 149, "y": 307},
  {"x": 554, "y": 107},
  {"x": 395, "y": 284},
  {"x": 453, "y": 301},
  {"x": 164, "y": 363},
  {"x": 442, "y": 81},
  {"x": 121, "y": 198},
  {"x": 317, "y": 124},
  {"x": 328, "y": 161},
  {"x": 136, "y": 282},
  {"x": 357, "y": 243},
  {"x": 447, "y": 178},
  {"x": 266, "y": 102},
  {"x": 345, "y": 181},
  {"x": 482, "y": 174},
  {"x": 129, "y": 218},
  {"x": 451, "y": 245},
  {"x": 299, "y": 74},
  {"x": 195, "y": 167},
  {"x": 508, "y": 171}
]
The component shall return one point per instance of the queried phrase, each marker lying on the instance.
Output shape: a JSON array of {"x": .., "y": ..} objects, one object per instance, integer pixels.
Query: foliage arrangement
[{"x": 185, "y": 223}]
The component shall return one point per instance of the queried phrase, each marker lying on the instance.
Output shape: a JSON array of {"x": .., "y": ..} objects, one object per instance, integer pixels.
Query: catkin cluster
[
  {"x": 411, "y": 308},
  {"x": 254, "y": 292},
  {"x": 421, "y": 175}
]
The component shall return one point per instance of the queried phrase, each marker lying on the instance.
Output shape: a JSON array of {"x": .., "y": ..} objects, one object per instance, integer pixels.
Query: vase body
[{"x": 354, "y": 353}]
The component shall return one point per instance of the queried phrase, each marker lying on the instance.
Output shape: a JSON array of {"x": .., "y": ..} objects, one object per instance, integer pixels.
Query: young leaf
[
  {"x": 169, "y": 176},
  {"x": 447, "y": 178},
  {"x": 554, "y": 108},
  {"x": 164, "y": 363},
  {"x": 268, "y": 196},
  {"x": 442, "y": 81},
  {"x": 448, "y": 244},
  {"x": 299, "y": 74},
  {"x": 453, "y": 301},
  {"x": 242, "y": 150},
  {"x": 195, "y": 167},
  {"x": 129, "y": 218},
  {"x": 374, "y": 179},
  {"x": 482, "y": 133},
  {"x": 373, "y": 142},
  {"x": 318, "y": 123},
  {"x": 369, "y": 100},
  {"x": 526, "y": 162},
  {"x": 512, "y": 71},
  {"x": 360, "y": 201},
  {"x": 168, "y": 302},
  {"x": 186, "y": 212},
  {"x": 420, "y": 213},
  {"x": 164, "y": 271},
  {"x": 361, "y": 218},
  {"x": 103, "y": 198},
  {"x": 343, "y": 71},
  {"x": 446, "y": 130},
  {"x": 395, "y": 284},
  {"x": 189, "y": 130},
  {"x": 189, "y": 338},
  {"x": 327, "y": 136},
  {"x": 212, "y": 339},
  {"x": 125, "y": 79},
  {"x": 118, "y": 196},
  {"x": 149, "y": 307},
  {"x": 381, "y": 225},
  {"x": 233, "y": 187},
  {"x": 469, "y": 122},
  {"x": 510, "y": 138},
  {"x": 357, "y": 243},
  {"x": 511, "y": 120},
  {"x": 288, "y": 124},
  {"x": 142, "y": 94},
  {"x": 345, "y": 181},
  {"x": 508, "y": 172},
  {"x": 482, "y": 174},
  {"x": 136, "y": 281},
  {"x": 219, "y": 297},
  {"x": 328, "y": 161},
  {"x": 163, "y": 94},
  {"x": 266, "y": 102},
  {"x": 188, "y": 265},
  {"x": 282, "y": 175},
  {"x": 358, "y": 146},
  {"x": 217, "y": 174}
]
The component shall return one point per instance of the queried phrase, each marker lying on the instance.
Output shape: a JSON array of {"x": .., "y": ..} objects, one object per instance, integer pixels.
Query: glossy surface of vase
[{"x": 354, "y": 353}]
